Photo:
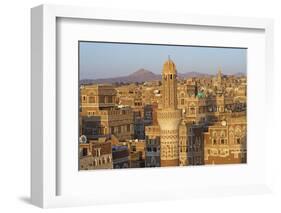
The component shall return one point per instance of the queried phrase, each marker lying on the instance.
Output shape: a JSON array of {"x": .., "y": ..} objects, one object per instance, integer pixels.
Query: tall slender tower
[
  {"x": 169, "y": 117},
  {"x": 219, "y": 76}
]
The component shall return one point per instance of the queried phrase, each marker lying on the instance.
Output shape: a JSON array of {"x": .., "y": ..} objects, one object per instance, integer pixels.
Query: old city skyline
[{"x": 170, "y": 121}]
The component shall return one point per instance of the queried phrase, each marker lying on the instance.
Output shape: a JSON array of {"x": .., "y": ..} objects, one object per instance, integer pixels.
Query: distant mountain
[
  {"x": 140, "y": 75},
  {"x": 192, "y": 75},
  {"x": 239, "y": 74}
]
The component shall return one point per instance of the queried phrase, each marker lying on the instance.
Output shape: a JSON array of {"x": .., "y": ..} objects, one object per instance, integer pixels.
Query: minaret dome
[{"x": 169, "y": 67}]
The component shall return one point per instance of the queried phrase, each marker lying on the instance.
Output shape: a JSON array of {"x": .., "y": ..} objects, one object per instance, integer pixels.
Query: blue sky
[{"x": 105, "y": 60}]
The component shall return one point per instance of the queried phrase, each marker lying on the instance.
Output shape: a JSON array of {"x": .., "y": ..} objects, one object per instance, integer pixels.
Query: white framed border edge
[{"x": 43, "y": 93}]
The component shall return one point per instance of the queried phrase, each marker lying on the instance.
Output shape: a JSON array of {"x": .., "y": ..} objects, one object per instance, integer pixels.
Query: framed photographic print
[
  {"x": 142, "y": 119},
  {"x": 149, "y": 106}
]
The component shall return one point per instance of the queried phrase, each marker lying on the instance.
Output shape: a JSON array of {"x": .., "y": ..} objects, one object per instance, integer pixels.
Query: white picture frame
[{"x": 45, "y": 171}]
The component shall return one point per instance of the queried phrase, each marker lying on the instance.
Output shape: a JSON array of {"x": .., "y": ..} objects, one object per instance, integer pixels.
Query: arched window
[
  {"x": 182, "y": 101},
  {"x": 214, "y": 134},
  {"x": 192, "y": 109},
  {"x": 214, "y": 141},
  {"x": 182, "y": 94},
  {"x": 84, "y": 98},
  {"x": 238, "y": 132},
  {"x": 238, "y": 140}
]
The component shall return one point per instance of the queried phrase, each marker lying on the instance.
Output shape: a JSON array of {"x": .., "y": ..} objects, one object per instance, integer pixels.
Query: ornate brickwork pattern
[{"x": 169, "y": 145}]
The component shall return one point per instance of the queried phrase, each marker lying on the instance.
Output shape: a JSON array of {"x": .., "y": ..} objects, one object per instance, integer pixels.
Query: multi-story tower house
[
  {"x": 169, "y": 117},
  {"x": 100, "y": 115}
]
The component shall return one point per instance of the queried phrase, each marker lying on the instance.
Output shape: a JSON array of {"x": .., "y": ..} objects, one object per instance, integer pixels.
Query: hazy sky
[{"x": 105, "y": 60}]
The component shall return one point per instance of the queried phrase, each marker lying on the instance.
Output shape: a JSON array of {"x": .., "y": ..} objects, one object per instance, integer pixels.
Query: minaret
[
  {"x": 219, "y": 76},
  {"x": 169, "y": 117}
]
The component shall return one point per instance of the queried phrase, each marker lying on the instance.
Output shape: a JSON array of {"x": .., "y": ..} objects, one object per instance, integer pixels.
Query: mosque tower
[
  {"x": 169, "y": 117},
  {"x": 219, "y": 76}
]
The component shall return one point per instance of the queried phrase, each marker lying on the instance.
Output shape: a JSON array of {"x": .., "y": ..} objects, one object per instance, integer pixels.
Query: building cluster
[{"x": 172, "y": 122}]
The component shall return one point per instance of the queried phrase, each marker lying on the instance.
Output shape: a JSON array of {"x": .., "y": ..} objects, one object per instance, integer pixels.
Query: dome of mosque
[{"x": 200, "y": 95}]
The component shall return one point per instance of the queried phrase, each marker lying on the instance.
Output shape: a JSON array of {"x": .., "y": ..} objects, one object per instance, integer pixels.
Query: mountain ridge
[{"x": 142, "y": 75}]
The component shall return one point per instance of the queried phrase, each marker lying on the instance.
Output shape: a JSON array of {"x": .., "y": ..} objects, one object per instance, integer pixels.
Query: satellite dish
[
  {"x": 83, "y": 139},
  {"x": 223, "y": 123}
]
